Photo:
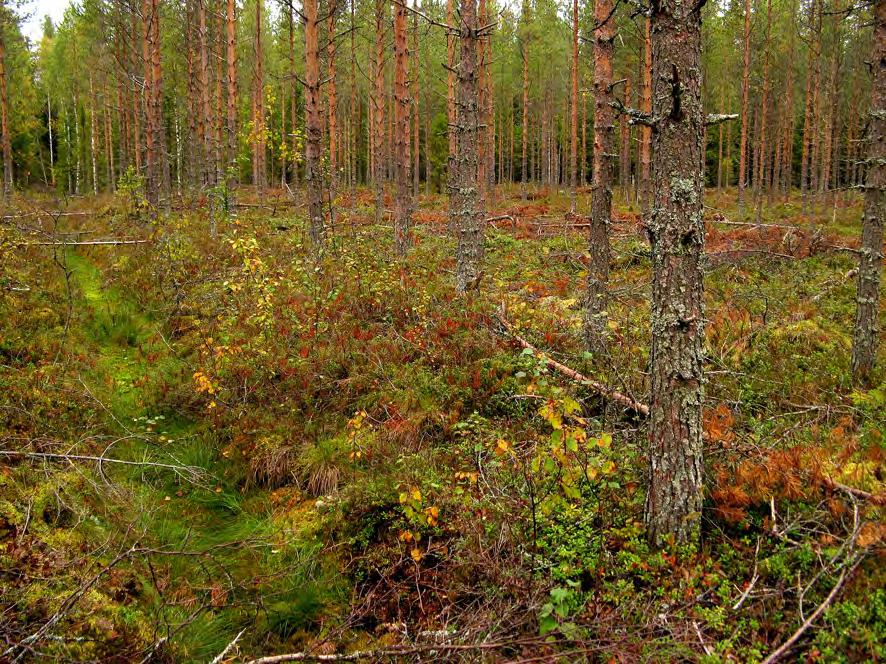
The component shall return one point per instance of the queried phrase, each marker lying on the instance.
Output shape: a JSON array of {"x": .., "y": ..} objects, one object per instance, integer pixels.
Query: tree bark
[
  {"x": 676, "y": 228},
  {"x": 646, "y": 107},
  {"x": 5, "y": 139},
  {"x": 524, "y": 42},
  {"x": 807, "y": 111},
  {"x": 760, "y": 175},
  {"x": 313, "y": 123},
  {"x": 332, "y": 98},
  {"x": 466, "y": 206},
  {"x": 745, "y": 107},
  {"x": 601, "y": 199},
  {"x": 258, "y": 106},
  {"x": 207, "y": 168},
  {"x": 573, "y": 142},
  {"x": 378, "y": 110},
  {"x": 483, "y": 146},
  {"x": 416, "y": 86},
  {"x": 403, "y": 203},
  {"x": 93, "y": 150},
  {"x": 151, "y": 179},
  {"x": 450, "y": 78},
  {"x": 625, "y": 166},
  {"x": 866, "y": 337}
]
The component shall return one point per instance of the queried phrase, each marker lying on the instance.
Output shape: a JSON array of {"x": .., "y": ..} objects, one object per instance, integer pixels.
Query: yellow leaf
[{"x": 416, "y": 555}]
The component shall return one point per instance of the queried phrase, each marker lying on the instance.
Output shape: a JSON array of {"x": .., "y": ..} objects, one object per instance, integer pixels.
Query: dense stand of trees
[
  {"x": 184, "y": 92},
  {"x": 139, "y": 95}
]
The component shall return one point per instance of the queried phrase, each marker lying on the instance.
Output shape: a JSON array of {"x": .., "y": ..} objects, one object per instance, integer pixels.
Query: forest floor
[{"x": 217, "y": 446}]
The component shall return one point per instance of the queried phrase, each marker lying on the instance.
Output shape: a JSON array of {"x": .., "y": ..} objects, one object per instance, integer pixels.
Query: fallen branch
[
  {"x": 779, "y": 652},
  {"x": 727, "y": 222},
  {"x": 377, "y": 655},
  {"x": 220, "y": 657},
  {"x": 601, "y": 389},
  {"x": 873, "y": 498},
  {"x": 762, "y": 252},
  {"x": 191, "y": 471},
  {"x": 83, "y": 243}
]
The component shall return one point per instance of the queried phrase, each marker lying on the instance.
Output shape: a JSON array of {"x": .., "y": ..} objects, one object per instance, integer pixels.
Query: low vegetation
[{"x": 217, "y": 441}]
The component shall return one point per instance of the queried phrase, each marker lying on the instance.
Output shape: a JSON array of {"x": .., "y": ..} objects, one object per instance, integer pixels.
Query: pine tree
[{"x": 676, "y": 229}]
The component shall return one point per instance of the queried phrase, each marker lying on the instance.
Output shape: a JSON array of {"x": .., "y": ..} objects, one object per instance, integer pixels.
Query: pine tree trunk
[
  {"x": 760, "y": 175},
  {"x": 625, "y": 166},
  {"x": 816, "y": 119},
  {"x": 467, "y": 205},
  {"x": 293, "y": 106},
  {"x": 332, "y": 100},
  {"x": 573, "y": 143},
  {"x": 313, "y": 123},
  {"x": 218, "y": 142},
  {"x": 416, "y": 133},
  {"x": 866, "y": 337},
  {"x": 676, "y": 228},
  {"x": 646, "y": 107},
  {"x": 354, "y": 112},
  {"x": 807, "y": 113},
  {"x": 258, "y": 105},
  {"x": 378, "y": 110},
  {"x": 720, "y": 144},
  {"x": 207, "y": 168},
  {"x": 93, "y": 150},
  {"x": 482, "y": 99},
  {"x": 157, "y": 85},
  {"x": 450, "y": 78},
  {"x": 601, "y": 199},
  {"x": 5, "y": 138},
  {"x": 745, "y": 107},
  {"x": 786, "y": 175},
  {"x": 151, "y": 179},
  {"x": 584, "y": 141},
  {"x": 525, "y": 136},
  {"x": 403, "y": 203}
]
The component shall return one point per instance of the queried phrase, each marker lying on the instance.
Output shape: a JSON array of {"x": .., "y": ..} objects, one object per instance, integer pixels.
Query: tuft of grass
[{"x": 321, "y": 465}]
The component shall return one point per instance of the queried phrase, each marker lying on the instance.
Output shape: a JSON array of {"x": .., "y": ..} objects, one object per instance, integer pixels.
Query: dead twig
[
  {"x": 84, "y": 243},
  {"x": 599, "y": 388},
  {"x": 218, "y": 658}
]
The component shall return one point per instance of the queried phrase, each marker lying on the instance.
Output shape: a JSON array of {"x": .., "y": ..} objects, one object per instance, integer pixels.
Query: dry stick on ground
[
  {"x": 193, "y": 472},
  {"x": 84, "y": 243},
  {"x": 377, "y": 655},
  {"x": 599, "y": 388},
  {"x": 220, "y": 657}
]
